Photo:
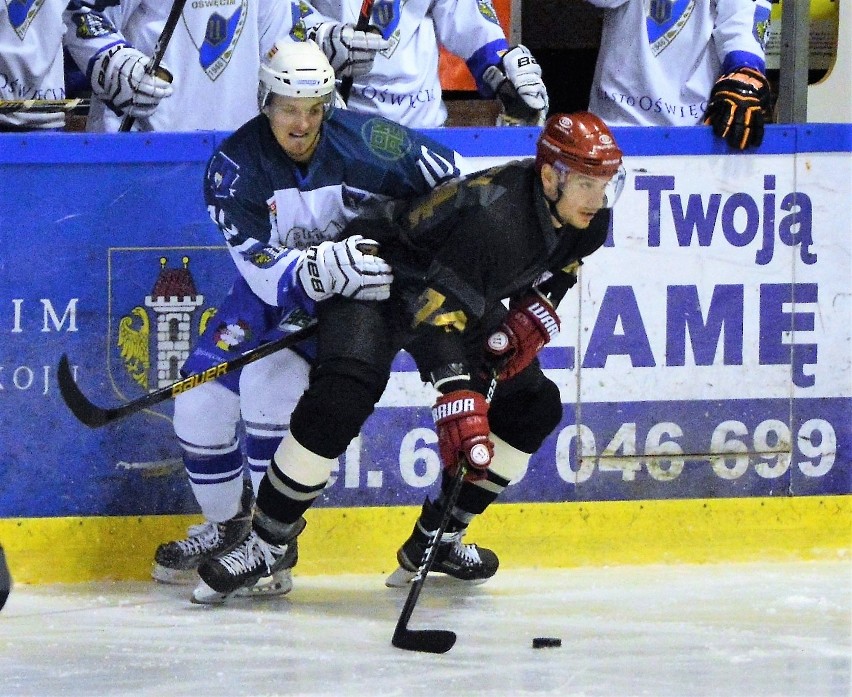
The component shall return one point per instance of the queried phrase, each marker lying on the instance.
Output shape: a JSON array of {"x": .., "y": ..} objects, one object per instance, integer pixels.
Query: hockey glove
[
  {"x": 740, "y": 103},
  {"x": 461, "y": 418},
  {"x": 530, "y": 324},
  {"x": 350, "y": 52},
  {"x": 349, "y": 267},
  {"x": 517, "y": 83},
  {"x": 119, "y": 79}
]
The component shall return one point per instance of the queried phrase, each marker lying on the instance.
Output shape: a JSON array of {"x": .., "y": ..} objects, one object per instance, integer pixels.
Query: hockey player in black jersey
[{"x": 517, "y": 231}]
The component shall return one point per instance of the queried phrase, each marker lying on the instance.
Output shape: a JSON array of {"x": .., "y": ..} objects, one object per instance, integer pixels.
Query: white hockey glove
[
  {"x": 120, "y": 80},
  {"x": 350, "y": 52},
  {"x": 517, "y": 83},
  {"x": 350, "y": 267}
]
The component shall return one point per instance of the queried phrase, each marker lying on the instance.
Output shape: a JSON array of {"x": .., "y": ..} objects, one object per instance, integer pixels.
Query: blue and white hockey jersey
[
  {"x": 214, "y": 54},
  {"x": 403, "y": 84},
  {"x": 269, "y": 208},
  {"x": 659, "y": 58},
  {"x": 31, "y": 65}
]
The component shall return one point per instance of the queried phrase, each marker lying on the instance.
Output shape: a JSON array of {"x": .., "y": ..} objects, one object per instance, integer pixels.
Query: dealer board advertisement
[{"x": 704, "y": 353}]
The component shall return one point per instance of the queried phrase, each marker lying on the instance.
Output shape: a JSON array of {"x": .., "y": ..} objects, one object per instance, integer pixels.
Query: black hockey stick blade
[
  {"x": 424, "y": 640},
  {"x": 90, "y": 414},
  {"x": 428, "y": 640},
  {"x": 94, "y": 416}
]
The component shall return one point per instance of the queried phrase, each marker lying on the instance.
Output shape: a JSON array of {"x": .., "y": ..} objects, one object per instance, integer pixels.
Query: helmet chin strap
[{"x": 551, "y": 205}]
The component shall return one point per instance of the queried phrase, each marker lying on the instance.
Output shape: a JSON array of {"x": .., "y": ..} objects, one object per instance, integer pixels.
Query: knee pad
[
  {"x": 206, "y": 419},
  {"x": 524, "y": 418},
  {"x": 342, "y": 395}
]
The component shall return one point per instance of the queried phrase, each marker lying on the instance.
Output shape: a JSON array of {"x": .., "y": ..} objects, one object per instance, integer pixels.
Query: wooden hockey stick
[
  {"x": 361, "y": 25},
  {"x": 95, "y": 416},
  {"x": 12, "y": 106},
  {"x": 159, "y": 50},
  {"x": 432, "y": 640}
]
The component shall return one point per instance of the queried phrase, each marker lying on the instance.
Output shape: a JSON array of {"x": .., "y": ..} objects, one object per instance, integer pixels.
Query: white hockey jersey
[
  {"x": 31, "y": 62},
  {"x": 659, "y": 58},
  {"x": 403, "y": 85},
  {"x": 214, "y": 55}
]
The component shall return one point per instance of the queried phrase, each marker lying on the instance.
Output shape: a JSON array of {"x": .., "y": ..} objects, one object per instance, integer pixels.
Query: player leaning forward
[
  {"x": 517, "y": 231},
  {"x": 281, "y": 189}
]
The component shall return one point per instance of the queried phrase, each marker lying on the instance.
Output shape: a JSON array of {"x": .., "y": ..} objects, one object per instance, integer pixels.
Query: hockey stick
[
  {"x": 159, "y": 50},
  {"x": 95, "y": 416},
  {"x": 361, "y": 25},
  {"x": 432, "y": 640},
  {"x": 14, "y": 106}
]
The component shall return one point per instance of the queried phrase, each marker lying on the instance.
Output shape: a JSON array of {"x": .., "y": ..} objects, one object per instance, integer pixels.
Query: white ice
[{"x": 733, "y": 630}]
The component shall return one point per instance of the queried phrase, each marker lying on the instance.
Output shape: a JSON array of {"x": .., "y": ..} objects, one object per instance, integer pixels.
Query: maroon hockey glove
[
  {"x": 740, "y": 103},
  {"x": 531, "y": 323},
  {"x": 461, "y": 418}
]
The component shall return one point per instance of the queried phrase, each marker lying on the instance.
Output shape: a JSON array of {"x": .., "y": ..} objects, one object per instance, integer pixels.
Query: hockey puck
[{"x": 546, "y": 642}]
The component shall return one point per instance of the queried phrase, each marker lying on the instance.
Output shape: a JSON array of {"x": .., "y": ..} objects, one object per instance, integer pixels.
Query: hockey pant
[
  {"x": 356, "y": 345},
  {"x": 262, "y": 395}
]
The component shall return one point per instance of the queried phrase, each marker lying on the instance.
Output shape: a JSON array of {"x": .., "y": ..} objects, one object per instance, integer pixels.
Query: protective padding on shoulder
[
  {"x": 508, "y": 462},
  {"x": 206, "y": 419},
  {"x": 524, "y": 418},
  {"x": 343, "y": 393}
]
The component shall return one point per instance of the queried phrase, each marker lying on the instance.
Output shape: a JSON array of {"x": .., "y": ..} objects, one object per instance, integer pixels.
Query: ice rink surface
[{"x": 733, "y": 630}]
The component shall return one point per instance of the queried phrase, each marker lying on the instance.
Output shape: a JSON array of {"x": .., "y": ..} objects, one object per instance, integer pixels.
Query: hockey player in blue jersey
[
  {"x": 516, "y": 232},
  {"x": 281, "y": 189}
]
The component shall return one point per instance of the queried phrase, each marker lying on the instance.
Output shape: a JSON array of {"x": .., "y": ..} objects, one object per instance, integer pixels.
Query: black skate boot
[
  {"x": 247, "y": 563},
  {"x": 177, "y": 562},
  {"x": 461, "y": 561}
]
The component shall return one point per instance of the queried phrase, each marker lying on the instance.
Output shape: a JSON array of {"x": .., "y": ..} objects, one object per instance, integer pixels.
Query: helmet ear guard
[{"x": 297, "y": 69}]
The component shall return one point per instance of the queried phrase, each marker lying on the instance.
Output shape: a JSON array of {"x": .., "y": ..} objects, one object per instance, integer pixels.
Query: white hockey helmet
[{"x": 295, "y": 69}]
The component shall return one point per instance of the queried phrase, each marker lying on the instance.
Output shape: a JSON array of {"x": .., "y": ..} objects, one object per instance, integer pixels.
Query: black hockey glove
[{"x": 740, "y": 104}]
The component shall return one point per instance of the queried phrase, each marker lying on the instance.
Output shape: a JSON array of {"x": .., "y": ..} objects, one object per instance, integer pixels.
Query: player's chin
[{"x": 582, "y": 220}]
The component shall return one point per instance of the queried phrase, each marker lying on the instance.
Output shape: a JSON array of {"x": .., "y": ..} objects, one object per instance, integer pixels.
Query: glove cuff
[{"x": 459, "y": 402}]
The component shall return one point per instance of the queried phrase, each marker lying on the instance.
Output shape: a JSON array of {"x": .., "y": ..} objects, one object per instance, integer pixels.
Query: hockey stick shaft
[
  {"x": 159, "y": 50},
  {"x": 94, "y": 416},
  {"x": 361, "y": 25},
  {"x": 432, "y": 640},
  {"x": 13, "y": 106},
  {"x": 428, "y": 640}
]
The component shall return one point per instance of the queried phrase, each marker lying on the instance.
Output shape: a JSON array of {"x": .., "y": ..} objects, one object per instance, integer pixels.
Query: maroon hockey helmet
[{"x": 580, "y": 142}]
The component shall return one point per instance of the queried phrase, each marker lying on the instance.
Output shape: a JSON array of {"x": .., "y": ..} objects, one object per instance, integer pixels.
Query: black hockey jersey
[{"x": 460, "y": 250}]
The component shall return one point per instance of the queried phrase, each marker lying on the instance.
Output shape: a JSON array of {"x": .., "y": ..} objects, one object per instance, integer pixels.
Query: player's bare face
[
  {"x": 296, "y": 124},
  {"x": 582, "y": 197}
]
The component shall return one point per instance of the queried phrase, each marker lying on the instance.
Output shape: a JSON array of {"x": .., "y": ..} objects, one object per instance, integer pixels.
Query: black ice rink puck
[{"x": 544, "y": 642}]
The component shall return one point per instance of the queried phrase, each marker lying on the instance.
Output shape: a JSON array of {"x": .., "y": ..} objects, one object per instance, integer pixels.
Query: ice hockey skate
[
  {"x": 241, "y": 568},
  {"x": 465, "y": 562},
  {"x": 177, "y": 562}
]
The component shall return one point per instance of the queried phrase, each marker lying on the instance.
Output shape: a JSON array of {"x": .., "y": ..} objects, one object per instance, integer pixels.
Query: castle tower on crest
[{"x": 174, "y": 298}]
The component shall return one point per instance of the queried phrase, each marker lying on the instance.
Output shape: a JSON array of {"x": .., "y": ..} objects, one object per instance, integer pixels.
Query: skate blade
[
  {"x": 402, "y": 577},
  {"x": 205, "y": 595},
  {"x": 280, "y": 583},
  {"x": 173, "y": 577}
]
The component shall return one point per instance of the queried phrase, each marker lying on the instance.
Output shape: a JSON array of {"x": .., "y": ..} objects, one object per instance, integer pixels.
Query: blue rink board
[{"x": 86, "y": 222}]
